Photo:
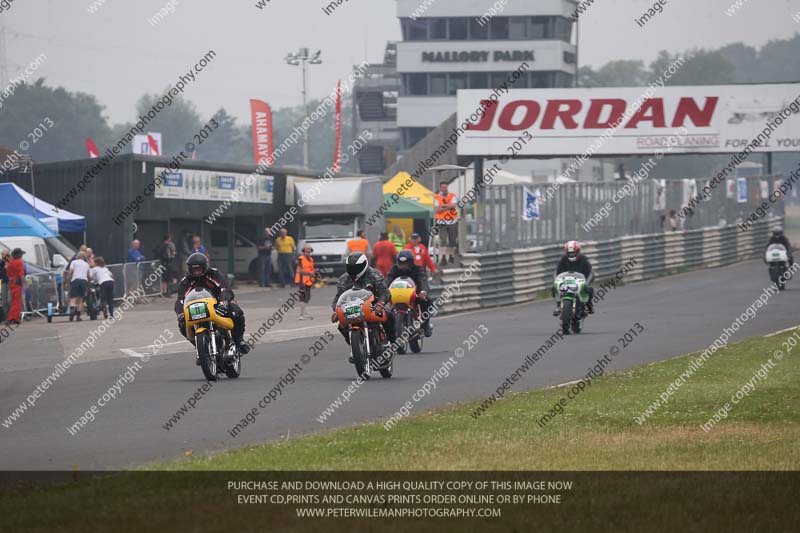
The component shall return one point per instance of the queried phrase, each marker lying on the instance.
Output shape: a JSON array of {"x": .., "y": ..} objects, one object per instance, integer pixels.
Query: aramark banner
[
  {"x": 631, "y": 120},
  {"x": 216, "y": 186}
]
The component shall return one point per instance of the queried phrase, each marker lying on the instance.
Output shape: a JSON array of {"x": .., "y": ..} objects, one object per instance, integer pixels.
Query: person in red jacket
[
  {"x": 421, "y": 257},
  {"x": 384, "y": 253},
  {"x": 16, "y": 278}
]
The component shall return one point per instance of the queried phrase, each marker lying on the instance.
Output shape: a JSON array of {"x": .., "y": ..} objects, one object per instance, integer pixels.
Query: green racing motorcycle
[{"x": 572, "y": 298}]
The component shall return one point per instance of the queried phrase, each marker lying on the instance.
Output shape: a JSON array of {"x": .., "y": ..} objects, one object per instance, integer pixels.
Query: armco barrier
[{"x": 520, "y": 275}]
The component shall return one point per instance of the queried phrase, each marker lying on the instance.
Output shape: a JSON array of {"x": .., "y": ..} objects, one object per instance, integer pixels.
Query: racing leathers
[
  {"x": 373, "y": 281},
  {"x": 583, "y": 266},
  {"x": 215, "y": 283}
]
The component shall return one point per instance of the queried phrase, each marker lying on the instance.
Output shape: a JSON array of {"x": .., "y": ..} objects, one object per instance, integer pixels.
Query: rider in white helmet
[{"x": 574, "y": 261}]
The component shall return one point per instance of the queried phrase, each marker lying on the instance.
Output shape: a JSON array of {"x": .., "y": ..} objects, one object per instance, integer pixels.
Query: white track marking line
[{"x": 781, "y": 331}]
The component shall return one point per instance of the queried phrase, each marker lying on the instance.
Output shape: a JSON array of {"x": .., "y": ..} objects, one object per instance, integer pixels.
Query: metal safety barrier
[
  {"x": 608, "y": 210},
  {"x": 47, "y": 289},
  {"x": 522, "y": 275}
]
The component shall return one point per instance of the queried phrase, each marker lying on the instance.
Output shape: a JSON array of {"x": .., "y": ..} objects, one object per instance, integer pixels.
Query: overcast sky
[{"x": 117, "y": 55}]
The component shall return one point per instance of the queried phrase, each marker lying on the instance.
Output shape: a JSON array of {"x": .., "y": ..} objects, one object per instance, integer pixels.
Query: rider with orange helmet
[{"x": 574, "y": 261}]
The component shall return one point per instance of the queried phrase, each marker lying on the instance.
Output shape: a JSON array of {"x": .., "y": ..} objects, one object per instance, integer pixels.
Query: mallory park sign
[{"x": 477, "y": 56}]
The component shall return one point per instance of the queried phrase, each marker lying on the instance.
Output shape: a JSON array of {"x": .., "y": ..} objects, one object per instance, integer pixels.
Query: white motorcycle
[{"x": 778, "y": 260}]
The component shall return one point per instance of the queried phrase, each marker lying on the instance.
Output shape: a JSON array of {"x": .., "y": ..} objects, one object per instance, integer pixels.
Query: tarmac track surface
[{"x": 681, "y": 314}]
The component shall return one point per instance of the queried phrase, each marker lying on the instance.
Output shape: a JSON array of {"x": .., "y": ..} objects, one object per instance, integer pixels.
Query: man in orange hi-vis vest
[
  {"x": 445, "y": 206},
  {"x": 305, "y": 276},
  {"x": 359, "y": 244}
]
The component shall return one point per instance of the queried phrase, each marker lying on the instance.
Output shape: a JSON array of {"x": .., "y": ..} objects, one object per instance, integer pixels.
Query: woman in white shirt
[
  {"x": 105, "y": 279},
  {"x": 78, "y": 279}
]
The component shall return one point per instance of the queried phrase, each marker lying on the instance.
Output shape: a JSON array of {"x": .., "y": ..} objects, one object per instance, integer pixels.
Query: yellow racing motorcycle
[{"x": 210, "y": 332}]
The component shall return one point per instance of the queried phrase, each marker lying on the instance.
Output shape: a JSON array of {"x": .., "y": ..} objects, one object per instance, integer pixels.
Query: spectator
[
  {"x": 185, "y": 250},
  {"x": 105, "y": 279},
  {"x": 286, "y": 247},
  {"x": 421, "y": 256},
  {"x": 445, "y": 205},
  {"x": 359, "y": 244},
  {"x": 5, "y": 257},
  {"x": 385, "y": 253},
  {"x": 265, "y": 259},
  {"x": 674, "y": 223},
  {"x": 90, "y": 256},
  {"x": 398, "y": 237},
  {"x": 166, "y": 253},
  {"x": 83, "y": 248},
  {"x": 77, "y": 283},
  {"x": 15, "y": 271},
  {"x": 304, "y": 278},
  {"x": 197, "y": 247},
  {"x": 134, "y": 255}
]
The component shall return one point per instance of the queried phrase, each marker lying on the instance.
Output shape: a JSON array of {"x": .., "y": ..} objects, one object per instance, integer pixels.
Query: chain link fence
[{"x": 602, "y": 211}]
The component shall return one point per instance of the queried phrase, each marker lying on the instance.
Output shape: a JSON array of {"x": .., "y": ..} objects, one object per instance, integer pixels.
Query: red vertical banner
[
  {"x": 337, "y": 155},
  {"x": 153, "y": 145},
  {"x": 261, "y": 120},
  {"x": 91, "y": 148}
]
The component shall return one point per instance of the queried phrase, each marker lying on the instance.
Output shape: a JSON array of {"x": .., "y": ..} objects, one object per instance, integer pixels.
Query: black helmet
[
  {"x": 197, "y": 265},
  {"x": 777, "y": 231},
  {"x": 405, "y": 258},
  {"x": 357, "y": 265}
]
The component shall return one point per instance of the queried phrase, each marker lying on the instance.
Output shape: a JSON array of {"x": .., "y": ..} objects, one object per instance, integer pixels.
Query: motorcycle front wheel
[
  {"x": 208, "y": 362},
  {"x": 360, "y": 357},
  {"x": 566, "y": 315}
]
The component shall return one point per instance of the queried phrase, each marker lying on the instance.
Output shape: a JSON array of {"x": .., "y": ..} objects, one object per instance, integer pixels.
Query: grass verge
[{"x": 595, "y": 432}]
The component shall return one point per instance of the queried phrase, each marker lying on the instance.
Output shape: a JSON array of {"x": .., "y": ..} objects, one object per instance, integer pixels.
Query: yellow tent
[{"x": 416, "y": 192}]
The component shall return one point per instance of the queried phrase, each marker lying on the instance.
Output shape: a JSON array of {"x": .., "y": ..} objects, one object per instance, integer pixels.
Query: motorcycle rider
[
  {"x": 405, "y": 267},
  {"x": 200, "y": 276},
  {"x": 360, "y": 275},
  {"x": 574, "y": 261},
  {"x": 778, "y": 237}
]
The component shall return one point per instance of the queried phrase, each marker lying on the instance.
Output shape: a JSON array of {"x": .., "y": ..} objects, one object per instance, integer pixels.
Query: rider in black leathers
[
  {"x": 359, "y": 274},
  {"x": 574, "y": 261},
  {"x": 778, "y": 237},
  {"x": 405, "y": 267},
  {"x": 199, "y": 275}
]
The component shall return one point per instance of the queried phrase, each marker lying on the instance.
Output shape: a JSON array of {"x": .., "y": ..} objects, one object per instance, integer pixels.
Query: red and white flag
[
  {"x": 91, "y": 149},
  {"x": 337, "y": 155},
  {"x": 261, "y": 122},
  {"x": 153, "y": 145}
]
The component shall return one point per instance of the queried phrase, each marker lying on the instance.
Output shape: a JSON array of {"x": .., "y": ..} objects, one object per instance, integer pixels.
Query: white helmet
[{"x": 573, "y": 250}]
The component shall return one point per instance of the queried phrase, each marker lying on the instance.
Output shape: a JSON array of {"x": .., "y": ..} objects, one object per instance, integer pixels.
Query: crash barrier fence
[
  {"x": 607, "y": 210},
  {"x": 44, "y": 289},
  {"x": 521, "y": 275}
]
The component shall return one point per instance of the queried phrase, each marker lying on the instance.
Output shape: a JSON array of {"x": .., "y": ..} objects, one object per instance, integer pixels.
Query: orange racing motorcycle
[{"x": 369, "y": 344}]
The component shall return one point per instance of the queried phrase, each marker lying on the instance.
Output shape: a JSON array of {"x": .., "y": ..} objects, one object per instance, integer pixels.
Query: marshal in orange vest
[
  {"x": 306, "y": 266},
  {"x": 450, "y": 214}
]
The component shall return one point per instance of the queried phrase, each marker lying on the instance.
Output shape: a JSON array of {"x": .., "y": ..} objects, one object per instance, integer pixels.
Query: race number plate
[
  {"x": 352, "y": 311},
  {"x": 198, "y": 311}
]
